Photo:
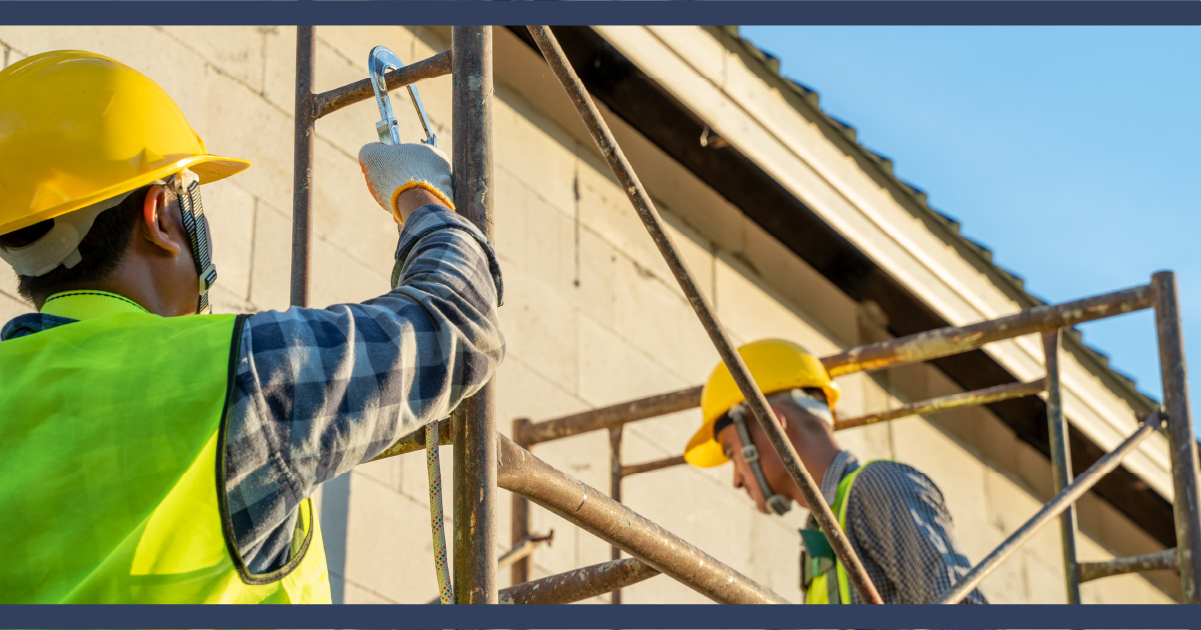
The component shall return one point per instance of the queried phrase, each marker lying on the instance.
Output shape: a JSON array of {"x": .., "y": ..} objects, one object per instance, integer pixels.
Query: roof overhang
[{"x": 796, "y": 174}]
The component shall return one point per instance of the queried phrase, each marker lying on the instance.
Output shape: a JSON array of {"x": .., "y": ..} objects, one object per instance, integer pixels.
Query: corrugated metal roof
[{"x": 1009, "y": 280}]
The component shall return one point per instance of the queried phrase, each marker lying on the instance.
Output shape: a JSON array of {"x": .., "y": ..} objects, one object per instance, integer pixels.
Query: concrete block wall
[{"x": 592, "y": 315}]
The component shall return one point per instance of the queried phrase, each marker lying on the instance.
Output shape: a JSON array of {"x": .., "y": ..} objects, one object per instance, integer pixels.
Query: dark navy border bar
[
  {"x": 814, "y": 12},
  {"x": 601, "y": 616}
]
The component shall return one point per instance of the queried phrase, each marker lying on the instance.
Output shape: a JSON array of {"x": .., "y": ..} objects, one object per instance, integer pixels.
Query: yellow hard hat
[
  {"x": 77, "y": 128},
  {"x": 776, "y": 365}
]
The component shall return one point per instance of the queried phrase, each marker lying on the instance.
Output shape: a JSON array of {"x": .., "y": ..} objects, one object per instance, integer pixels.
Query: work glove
[{"x": 393, "y": 169}]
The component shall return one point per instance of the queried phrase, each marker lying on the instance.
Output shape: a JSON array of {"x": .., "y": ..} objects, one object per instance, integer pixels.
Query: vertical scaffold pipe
[
  {"x": 725, "y": 348},
  {"x": 615, "y": 435},
  {"x": 475, "y": 418},
  {"x": 1182, "y": 446},
  {"x": 302, "y": 166},
  {"x": 519, "y": 518},
  {"x": 1061, "y": 461}
]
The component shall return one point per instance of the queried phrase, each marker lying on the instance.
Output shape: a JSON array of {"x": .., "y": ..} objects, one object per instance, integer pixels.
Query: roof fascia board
[{"x": 759, "y": 120}]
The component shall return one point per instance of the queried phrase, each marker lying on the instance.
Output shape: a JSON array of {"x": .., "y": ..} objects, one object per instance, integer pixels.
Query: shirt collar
[
  {"x": 844, "y": 464},
  {"x": 89, "y": 304}
]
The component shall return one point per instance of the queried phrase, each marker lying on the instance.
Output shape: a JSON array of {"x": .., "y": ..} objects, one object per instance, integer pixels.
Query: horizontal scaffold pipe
[
  {"x": 329, "y": 102},
  {"x": 522, "y": 549},
  {"x": 942, "y": 342},
  {"x": 415, "y": 441},
  {"x": 913, "y": 348},
  {"x": 613, "y": 415},
  {"x": 1165, "y": 560},
  {"x": 1053, "y": 508},
  {"x": 658, "y": 464},
  {"x": 934, "y": 405},
  {"x": 579, "y": 584},
  {"x": 618, "y": 525},
  {"x": 946, "y": 403}
]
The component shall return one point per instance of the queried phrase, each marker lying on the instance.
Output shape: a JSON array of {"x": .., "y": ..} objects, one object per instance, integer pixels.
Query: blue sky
[{"x": 1073, "y": 153}]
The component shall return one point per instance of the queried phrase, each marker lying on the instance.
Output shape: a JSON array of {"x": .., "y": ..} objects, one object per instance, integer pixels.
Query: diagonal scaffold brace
[{"x": 549, "y": 46}]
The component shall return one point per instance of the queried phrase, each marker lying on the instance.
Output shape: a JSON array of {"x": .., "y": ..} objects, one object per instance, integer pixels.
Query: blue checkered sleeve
[{"x": 319, "y": 391}]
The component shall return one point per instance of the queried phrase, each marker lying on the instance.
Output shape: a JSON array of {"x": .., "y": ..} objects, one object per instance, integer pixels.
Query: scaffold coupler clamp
[
  {"x": 750, "y": 453},
  {"x": 380, "y": 61}
]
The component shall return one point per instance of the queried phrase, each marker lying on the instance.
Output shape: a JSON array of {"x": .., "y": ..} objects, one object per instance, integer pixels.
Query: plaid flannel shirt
[
  {"x": 319, "y": 391},
  {"x": 899, "y": 525}
]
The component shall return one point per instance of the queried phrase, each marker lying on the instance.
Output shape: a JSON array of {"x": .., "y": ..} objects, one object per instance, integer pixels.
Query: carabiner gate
[{"x": 380, "y": 61}]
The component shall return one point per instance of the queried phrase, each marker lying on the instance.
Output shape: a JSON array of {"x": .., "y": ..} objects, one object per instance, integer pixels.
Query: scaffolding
[{"x": 485, "y": 460}]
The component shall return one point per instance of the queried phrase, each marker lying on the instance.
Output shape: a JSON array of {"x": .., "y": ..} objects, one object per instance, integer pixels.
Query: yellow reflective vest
[
  {"x": 818, "y": 561},
  {"x": 112, "y": 468}
]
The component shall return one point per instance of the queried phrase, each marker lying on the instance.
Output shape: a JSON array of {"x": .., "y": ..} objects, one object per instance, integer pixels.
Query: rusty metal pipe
[
  {"x": 944, "y": 403},
  {"x": 580, "y": 584},
  {"x": 329, "y": 102},
  {"x": 1182, "y": 446},
  {"x": 615, "y": 435},
  {"x": 1165, "y": 560},
  {"x": 1061, "y": 462},
  {"x": 616, "y": 524},
  {"x": 522, "y": 550},
  {"x": 302, "y": 167},
  {"x": 942, "y": 342},
  {"x": 658, "y": 464},
  {"x": 475, "y": 418},
  {"x": 519, "y": 516},
  {"x": 757, "y": 402},
  {"x": 922, "y": 346},
  {"x": 611, "y": 416},
  {"x": 1053, "y": 508},
  {"x": 415, "y": 441}
]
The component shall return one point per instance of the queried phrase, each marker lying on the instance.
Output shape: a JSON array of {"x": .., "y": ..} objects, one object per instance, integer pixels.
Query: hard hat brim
[
  {"x": 209, "y": 168},
  {"x": 703, "y": 451}
]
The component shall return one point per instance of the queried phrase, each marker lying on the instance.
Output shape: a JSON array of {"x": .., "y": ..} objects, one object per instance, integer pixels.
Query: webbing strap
[
  {"x": 194, "y": 224},
  {"x": 750, "y": 453}
]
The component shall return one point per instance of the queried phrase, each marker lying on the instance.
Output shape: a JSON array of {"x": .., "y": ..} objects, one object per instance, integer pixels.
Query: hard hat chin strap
[
  {"x": 187, "y": 188},
  {"x": 777, "y": 502}
]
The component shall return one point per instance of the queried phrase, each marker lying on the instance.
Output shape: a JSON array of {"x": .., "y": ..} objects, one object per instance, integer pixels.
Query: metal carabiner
[{"x": 380, "y": 61}]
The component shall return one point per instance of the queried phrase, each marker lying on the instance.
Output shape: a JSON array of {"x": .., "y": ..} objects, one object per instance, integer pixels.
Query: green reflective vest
[
  {"x": 819, "y": 560},
  {"x": 112, "y": 471}
]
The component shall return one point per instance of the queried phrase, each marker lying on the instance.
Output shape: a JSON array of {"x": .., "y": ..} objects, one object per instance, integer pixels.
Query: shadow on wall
[{"x": 335, "y": 505}]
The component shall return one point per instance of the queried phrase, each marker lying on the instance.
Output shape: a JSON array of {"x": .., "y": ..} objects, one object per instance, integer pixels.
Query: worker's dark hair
[{"x": 102, "y": 249}]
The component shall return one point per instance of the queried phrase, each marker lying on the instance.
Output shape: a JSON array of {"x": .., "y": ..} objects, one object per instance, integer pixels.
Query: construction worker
[
  {"x": 150, "y": 458},
  {"x": 894, "y": 516}
]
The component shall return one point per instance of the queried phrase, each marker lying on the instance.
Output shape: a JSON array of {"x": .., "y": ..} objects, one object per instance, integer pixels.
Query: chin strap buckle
[
  {"x": 778, "y": 504},
  {"x": 208, "y": 278}
]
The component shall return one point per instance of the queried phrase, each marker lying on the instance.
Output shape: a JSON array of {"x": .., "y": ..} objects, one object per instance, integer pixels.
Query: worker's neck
[
  {"x": 817, "y": 452},
  {"x": 136, "y": 279}
]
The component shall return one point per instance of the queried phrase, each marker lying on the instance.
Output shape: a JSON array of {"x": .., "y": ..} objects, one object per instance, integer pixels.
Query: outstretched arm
[{"x": 319, "y": 391}]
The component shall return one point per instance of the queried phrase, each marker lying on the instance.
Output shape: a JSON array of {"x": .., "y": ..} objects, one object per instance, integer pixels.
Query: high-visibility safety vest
[
  {"x": 112, "y": 464},
  {"x": 819, "y": 561}
]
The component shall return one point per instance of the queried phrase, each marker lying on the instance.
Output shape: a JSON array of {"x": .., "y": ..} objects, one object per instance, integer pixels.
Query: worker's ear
[{"x": 161, "y": 225}]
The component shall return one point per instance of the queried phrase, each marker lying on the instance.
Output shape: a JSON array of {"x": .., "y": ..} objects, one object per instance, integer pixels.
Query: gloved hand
[{"x": 393, "y": 169}]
